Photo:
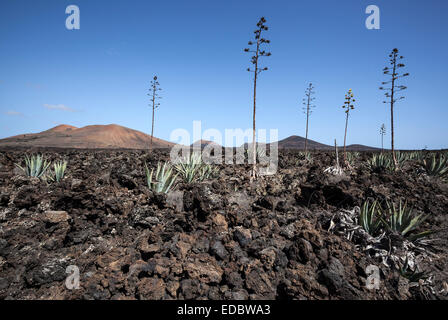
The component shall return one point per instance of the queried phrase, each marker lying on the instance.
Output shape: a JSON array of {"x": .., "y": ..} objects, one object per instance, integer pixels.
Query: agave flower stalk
[
  {"x": 308, "y": 105},
  {"x": 258, "y": 52},
  {"x": 154, "y": 96},
  {"x": 348, "y": 105},
  {"x": 336, "y": 170},
  {"x": 392, "y": 92},
  {"x": 382, "y": 133}
]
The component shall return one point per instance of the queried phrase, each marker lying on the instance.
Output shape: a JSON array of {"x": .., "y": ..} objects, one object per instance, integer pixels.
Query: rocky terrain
[{"x": 227, "y": 238}]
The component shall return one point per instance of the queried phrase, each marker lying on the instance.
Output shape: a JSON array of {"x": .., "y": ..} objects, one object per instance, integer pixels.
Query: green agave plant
[
  {"x": 401, "y": 157},
  {"x": 163, "y": 179},
  {"x": 403, "y": 221},
  {"x": 193, "y": 169},
  {"x": 35, "y": 166},
  {"x": 207, "y": 171},
  {"x": 380, "y": 162},
  {"x": 189, "y": 167},
  {"x": 305, "y": 155},
  {"x": 436, "y": 166},
  {"x": 369, "y": 218},
  {"x": 58, "y": 172},
  {"x": 352, "y": 157},
  {"x": 373, "y": 219},
  {"x": 416, "y": 155}
]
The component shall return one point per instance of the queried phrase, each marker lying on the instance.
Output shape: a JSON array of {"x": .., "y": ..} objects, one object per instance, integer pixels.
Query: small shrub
[
  {"x": 35, "y": 166},
  {"x": 163, "y": 179}
]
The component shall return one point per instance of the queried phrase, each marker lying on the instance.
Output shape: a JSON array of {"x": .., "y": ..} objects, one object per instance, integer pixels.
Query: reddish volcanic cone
[{"x": 95, "y": 136}]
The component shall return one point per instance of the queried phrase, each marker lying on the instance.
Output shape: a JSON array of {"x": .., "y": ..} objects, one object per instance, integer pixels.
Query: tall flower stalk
[
  {"x": 382, "y": 133},
  {"x": 348, "y": 105},
  {"x": 155, "y": 87},
  {"x": 392, "y": 92},
  {"x": 257, "y": 51},
  {"x": 308, "y": 105}
]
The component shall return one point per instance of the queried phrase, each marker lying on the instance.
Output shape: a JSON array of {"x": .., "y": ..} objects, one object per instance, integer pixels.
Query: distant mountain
[
  {"x": 113, "y": 136},
  {"x": 360, "y": 147},
  {"x": 297, "y": 142},
  {"x": 203, "y": 143},
  {"x": 89, "y": 137}
]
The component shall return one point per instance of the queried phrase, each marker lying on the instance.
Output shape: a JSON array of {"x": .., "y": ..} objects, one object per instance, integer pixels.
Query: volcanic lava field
[{"x": 292, "y": 235}]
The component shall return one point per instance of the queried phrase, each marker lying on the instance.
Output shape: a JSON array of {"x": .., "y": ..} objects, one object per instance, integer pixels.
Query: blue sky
[{"x": 101, "y": 73}]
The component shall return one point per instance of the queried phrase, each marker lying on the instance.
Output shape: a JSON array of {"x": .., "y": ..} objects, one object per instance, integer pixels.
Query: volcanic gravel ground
[{"x": 226, "y": 238}]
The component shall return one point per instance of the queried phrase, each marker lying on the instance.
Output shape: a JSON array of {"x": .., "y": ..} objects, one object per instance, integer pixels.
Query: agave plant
[
  {"x": 193, "y": 169},
  {"x": 416, "y": 155},
  {"x": 352, "y": 156},
  {"x": 369, "y": 218},
  {"x": 380, "y": 162},
  {"x": 58, "y": 172},
  {"x": 401, "y": 157},
  {"x": 163, "y": 179},
  {"x": 35, "y": 166},
  {"x": 403, "y": 221},
  {"x": 207, "y": 171},
  {"x": 436, "y": 166},
  {"x": 413, "y": 275},
  {"x": 306, "y": 155},
  {"x": 189, "y": 167}
]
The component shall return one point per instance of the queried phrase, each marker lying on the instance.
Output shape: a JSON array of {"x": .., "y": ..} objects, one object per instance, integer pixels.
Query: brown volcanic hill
[
  {"x": 297, "y": 142},
  {"x": 61, "y": 128},
  {"x": 89, "y": 137},
  {"x": 203, "y": 143}
]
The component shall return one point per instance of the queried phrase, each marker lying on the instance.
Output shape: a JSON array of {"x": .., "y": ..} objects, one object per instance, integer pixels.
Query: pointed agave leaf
[
  {"x": 404, "y": 222},
  {"x": 58, "y": 171},
  {"x": 370, "y": 218},
  {"x": 35, "y": 166},
  {"x": 164, "y": 178}
]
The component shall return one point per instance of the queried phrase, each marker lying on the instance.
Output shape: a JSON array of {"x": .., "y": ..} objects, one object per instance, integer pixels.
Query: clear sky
[{"x": 101, "y": 73}]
